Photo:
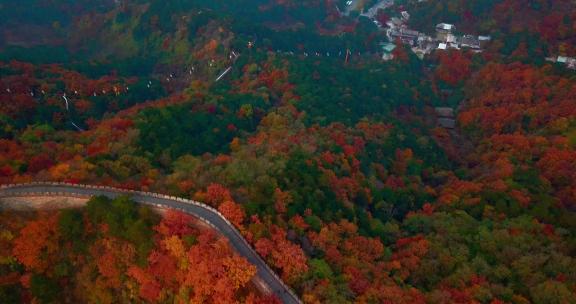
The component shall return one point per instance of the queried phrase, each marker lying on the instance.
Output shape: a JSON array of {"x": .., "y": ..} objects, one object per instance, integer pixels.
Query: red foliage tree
[{"x": 233, "y": 212}]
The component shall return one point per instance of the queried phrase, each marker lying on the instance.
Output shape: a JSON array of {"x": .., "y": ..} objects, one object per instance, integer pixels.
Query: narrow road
[
  {"x": 205, "y": 213},
  {"x": 382, "y": 5},
  {"x": 352, "y": 7}
]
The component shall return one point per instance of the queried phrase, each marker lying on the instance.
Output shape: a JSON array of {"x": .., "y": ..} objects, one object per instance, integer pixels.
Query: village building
[
  {"x": 443, "y": 30},
  {"x": 446, "y": 112},
  {"x": 569, "y": 62},
  {"x": 446, "y": 117},
  {"x": 405, "y": 35},
  {"x": 445, "y": 27},
  {"x": 405, "y": 15},
  {"x": 424, "y": 46},
  {"x": 451, "y": 38},
  {"x": 469, "y": 41},
  {"x": 447, "y": 123},
  {"x": 387, "y": 51},
  {"x": 395, "y": 23},
  {"x": 484, "y": 40}
]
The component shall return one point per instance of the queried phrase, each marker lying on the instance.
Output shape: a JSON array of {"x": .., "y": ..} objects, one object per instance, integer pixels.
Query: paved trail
[{"x": 205, "y": 213}]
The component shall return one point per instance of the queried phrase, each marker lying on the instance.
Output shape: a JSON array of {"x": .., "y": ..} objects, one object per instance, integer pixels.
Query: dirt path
[{"x": 40, "y": 203}]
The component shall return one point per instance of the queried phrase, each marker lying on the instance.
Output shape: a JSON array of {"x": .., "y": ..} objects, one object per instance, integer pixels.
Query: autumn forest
[{"x": 283, "y": 116}]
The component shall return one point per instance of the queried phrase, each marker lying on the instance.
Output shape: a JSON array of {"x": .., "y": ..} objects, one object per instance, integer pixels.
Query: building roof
[
  {"x": 396, "y": 21},
  {"x": 442, "y": 46},
  {"x": 405, "y": 33},
  {"x": 444, "y": 112},
  {"x": 454, "y": 46},
  {"x": 445, "y": 27},
  {"x": 470, "y": 41},
  {"x": 447, "y": 123},
  {"x": 562, "y": 59},
  {"x": 388, "y": 47}
]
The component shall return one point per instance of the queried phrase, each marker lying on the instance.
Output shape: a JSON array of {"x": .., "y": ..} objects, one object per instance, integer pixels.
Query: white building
[
  {"x": 445, "y": 27},
  {"x": 443, "y": 31},
  {"x": 405, "y": 15},
  {"x": 387, "y": 49}
]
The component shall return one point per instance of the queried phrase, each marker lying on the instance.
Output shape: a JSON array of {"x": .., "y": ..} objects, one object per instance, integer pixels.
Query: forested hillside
[
  {"x": 113, "y": 251},
  {"x": 283, "y": 116}
]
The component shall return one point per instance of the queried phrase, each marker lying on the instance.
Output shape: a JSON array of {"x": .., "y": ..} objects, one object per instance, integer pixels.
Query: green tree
[
  {"x": 71, "y": 224},
  {"x": 44, "y": 289}
]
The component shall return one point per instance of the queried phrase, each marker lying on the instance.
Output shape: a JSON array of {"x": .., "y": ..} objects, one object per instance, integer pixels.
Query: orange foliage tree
[{"x": 38, "y": 243}]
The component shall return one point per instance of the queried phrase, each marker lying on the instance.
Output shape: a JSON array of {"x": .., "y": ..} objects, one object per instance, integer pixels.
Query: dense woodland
[
  {"x": 334, "y": 170},
  {"x": 115, "y": 251}
]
